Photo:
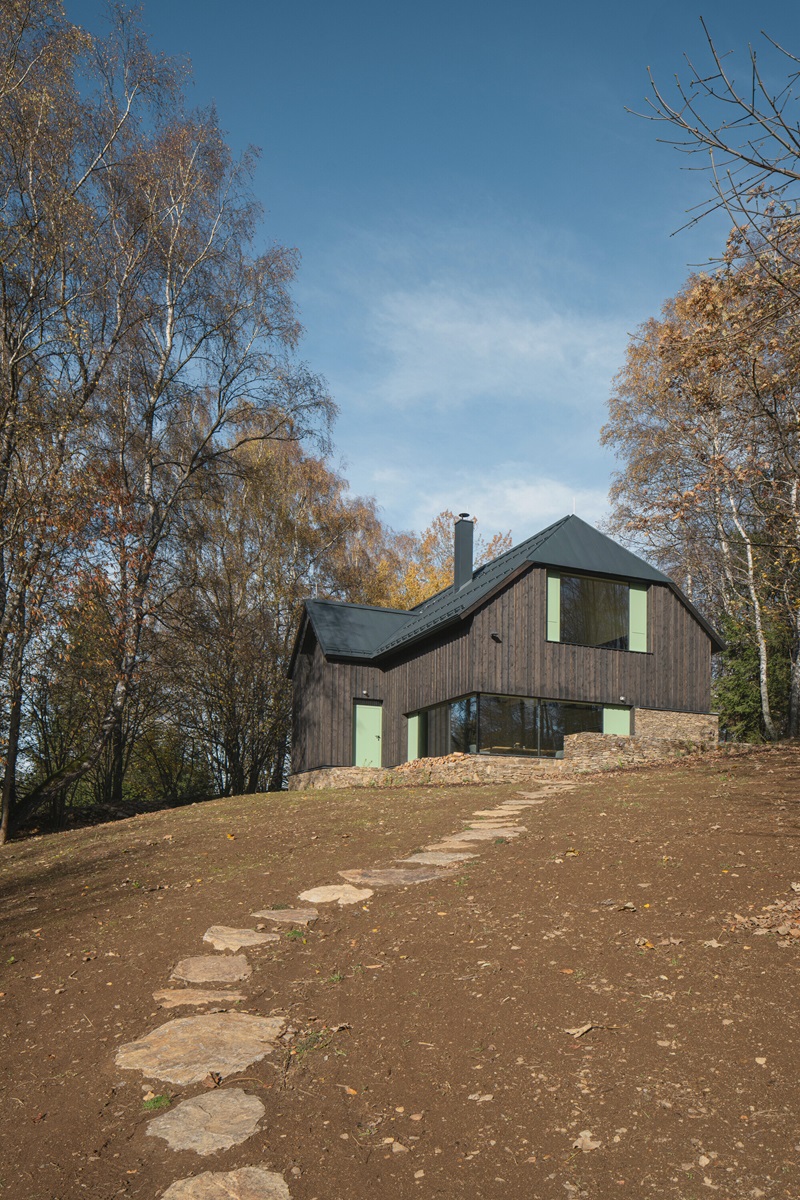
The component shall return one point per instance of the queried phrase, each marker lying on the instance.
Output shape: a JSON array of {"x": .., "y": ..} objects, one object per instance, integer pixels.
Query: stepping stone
[
  {"x": 248, "y": 1183},
  {"x": 343, "y": 893},
  {"x": 451, "y": 846},
  {"x": 289, "y": 916},
  {"x": 496, "y": 825},
  {"x": 187, "y": 1049},
  {"x": 437, "y": 858},
  {"x": 213, "y": 968},
  {"x": 499, "y": 812},
  {"x": 221, "y": 937},
  {"x": 206, "y": 1124},
  {"x": 483, "y": 835},
  {"x": 175, "y": 997},
  {"x": 393, "y": 876}
]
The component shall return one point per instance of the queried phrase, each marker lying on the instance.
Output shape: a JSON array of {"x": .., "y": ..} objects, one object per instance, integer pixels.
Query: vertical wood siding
[{"x": 675, "y": 674}]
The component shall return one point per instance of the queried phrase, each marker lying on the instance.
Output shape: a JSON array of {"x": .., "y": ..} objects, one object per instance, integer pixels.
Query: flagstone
[
  {"x": 437, "y": 858},
  {"x": 392, "y": 876},
  {"x": 289, "y": 916},
  {"x": 498, "y": 812},
  {"x": 175, "y": 997},
  {"x": 222, "y": 937},
  {"x": 213, "y": 968},
  {"x": 497, "y": 825},
  {"x": 342, "y": 893},
  {"x": 248, "y": 1183},
  {"x": 187, "y": 1049},
  {"x": 484, "y": 835},
  {"x": 221, "y": 1119}
]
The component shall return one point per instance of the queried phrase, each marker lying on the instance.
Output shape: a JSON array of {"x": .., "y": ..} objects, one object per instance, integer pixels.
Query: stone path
[{"x": 188, "y": 1050}]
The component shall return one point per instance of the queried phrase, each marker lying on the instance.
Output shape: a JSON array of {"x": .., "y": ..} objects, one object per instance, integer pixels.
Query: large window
[
  {"x": 464, "y": 725},
  {"x": 487, "y": 724},
  {"x": 507, "y": 725},
  {"x": 604, "y": 613},
  {"x": 556, "y": 720}
]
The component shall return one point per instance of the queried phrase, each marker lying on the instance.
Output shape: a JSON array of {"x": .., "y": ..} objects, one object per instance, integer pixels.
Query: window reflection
[
  {"x": 594, "y": 612},
  {"x": 488, "y": 724}
]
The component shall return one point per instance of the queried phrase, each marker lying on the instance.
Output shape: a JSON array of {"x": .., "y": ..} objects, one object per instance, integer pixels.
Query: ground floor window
[{"x": 488, "y": 724}]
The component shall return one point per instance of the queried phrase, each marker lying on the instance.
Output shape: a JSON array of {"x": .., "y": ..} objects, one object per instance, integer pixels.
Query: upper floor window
[{"x": 588, "y": 611}]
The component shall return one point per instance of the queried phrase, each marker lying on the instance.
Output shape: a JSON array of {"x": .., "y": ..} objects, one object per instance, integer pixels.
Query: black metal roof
[
  {"x": 360, "y": 631},
  {"x": 353, "y": 630}
]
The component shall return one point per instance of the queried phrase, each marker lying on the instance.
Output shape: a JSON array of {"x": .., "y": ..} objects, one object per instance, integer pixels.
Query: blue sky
[{"x": 482, "y": 224}]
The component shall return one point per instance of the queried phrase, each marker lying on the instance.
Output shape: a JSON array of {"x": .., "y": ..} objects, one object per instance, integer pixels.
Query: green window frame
[{"x": 637, "y": 613}]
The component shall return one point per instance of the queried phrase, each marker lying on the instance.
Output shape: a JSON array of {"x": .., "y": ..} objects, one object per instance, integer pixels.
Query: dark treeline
[{"x": 164, "y": 493}]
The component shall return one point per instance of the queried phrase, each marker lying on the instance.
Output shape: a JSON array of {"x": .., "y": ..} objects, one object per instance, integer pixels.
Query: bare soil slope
[{"x": 601, "y": 1007}]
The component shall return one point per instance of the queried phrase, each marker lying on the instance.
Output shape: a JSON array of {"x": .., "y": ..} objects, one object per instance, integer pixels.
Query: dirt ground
[{"x": 430, "y": 1051}]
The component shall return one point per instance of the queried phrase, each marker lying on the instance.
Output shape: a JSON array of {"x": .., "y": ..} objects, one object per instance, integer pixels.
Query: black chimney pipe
[{"x": 462, "y": 551}]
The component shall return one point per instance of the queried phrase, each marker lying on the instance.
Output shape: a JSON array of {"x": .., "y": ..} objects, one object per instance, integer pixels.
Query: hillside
[{"x": 586, "y": 1009}]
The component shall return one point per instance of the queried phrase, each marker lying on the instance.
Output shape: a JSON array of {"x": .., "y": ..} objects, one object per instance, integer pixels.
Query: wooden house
[{"x": 567, "y": 632}]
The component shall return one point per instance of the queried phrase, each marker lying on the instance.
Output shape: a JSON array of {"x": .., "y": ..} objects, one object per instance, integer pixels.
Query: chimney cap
[{"x": 463, "y": 516}]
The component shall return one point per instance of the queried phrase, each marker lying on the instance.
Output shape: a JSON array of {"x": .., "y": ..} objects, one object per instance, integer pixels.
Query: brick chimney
[{"x": 462, "y": 551}]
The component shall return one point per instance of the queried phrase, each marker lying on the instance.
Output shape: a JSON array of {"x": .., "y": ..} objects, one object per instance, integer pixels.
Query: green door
[{"x": 367, "y": 728}]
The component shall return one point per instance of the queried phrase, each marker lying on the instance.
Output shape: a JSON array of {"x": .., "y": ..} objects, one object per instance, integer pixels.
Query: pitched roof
[
  {"x": 359, "y": 631},
  {"x": 353, "y": 630}
]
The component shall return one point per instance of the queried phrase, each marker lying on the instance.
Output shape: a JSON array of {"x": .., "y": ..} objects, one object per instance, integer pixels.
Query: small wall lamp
[{"x": 495, "y": 636}]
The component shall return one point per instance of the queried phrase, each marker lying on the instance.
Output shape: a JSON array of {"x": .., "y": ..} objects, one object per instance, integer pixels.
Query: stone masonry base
[{"x": 658, "y": 737}]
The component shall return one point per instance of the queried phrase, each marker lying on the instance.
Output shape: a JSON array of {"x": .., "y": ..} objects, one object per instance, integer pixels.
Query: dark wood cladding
[{"x": 675, "y": 674}]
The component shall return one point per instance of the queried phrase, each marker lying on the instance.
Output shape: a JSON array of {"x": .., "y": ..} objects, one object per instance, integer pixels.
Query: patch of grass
[
  {"x": 295, "y": 935},
  {"x": 315, "y": 1039},
  {"x": 157, "y": 1102},
  {"x": 336, "y": 977},
  {"x": 280, "y": 906}
]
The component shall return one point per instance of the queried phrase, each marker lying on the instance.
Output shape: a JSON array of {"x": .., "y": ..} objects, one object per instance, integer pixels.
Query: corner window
[{"x": 584, "y": 610}]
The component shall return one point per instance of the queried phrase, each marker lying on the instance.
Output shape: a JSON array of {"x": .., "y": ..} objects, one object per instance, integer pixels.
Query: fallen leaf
[
  {"x": 351, "y": 1091},
  {"x": 714, "y": 944},
  {"x": 580, "y": 1030},
  {"x": 585, "y": 1142}
]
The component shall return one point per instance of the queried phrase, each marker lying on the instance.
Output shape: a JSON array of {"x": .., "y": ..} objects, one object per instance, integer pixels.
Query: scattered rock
[
  {"x": 289, "y": 916},
  {"x": 206, "y": 1124},
  {"x": 221, "y": 937},
  {"x": 187, "y": 1049},
  {"x": 213, "y": 968},
  {"x": 175, "y": 997},
  {"x": 248, "y": 1183},
  {"x": 392, "y": 876},
  {"x": 342, "y": 893}
]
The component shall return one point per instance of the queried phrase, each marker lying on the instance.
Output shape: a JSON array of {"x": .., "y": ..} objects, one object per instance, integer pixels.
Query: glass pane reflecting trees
[{"x": 595, "y": 612}]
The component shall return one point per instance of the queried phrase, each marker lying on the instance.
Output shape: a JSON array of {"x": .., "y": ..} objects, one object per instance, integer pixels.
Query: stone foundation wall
[
  {"x": 676, "y": 726},
  {"x": 584, "y": 752},
  {"x": 659, "y": 736},
  {"x": 453, "y": 768}
]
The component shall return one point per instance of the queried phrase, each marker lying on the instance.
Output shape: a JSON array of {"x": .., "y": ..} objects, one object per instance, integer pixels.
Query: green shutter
[
  {"x": 413, "y": 738},
  {"x": 617, "y": 720},
  {"x": 637, "y": 630},
  {"x": 553, "y": 607}
]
